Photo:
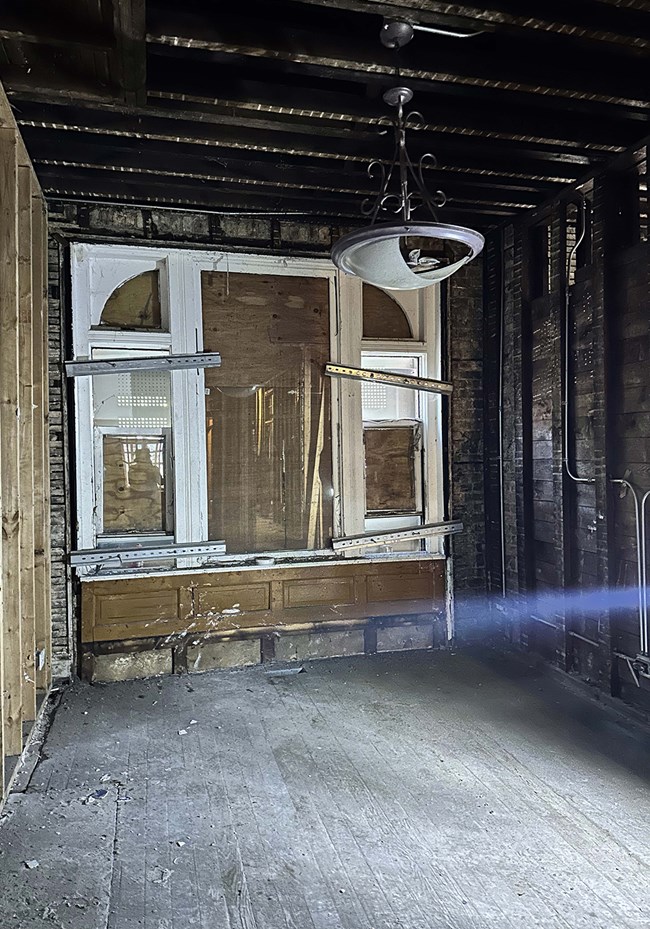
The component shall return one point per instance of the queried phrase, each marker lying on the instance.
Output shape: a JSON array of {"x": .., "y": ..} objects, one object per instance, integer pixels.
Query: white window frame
[
  {"x": 422, "y": 308},
  {"x": 98, "y": 269}
]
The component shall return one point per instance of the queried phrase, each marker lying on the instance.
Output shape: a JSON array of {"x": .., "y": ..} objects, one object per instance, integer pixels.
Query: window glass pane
[
  {"x": 395, "y": 524},
  {"x": 383, "y": 401},
  {"x": 268, "y": 411},
  {"x": 135, "y": 304},
  {"x": 133, "y": 400}
]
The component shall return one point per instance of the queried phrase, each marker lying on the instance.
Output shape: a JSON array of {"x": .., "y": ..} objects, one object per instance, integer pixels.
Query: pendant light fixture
[{"x": 411, "y": 253}]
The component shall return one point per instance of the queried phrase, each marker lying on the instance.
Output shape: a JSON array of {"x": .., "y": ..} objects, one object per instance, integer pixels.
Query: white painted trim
[
  {"x": 98, "y": 269},
  {"x": 188, "y": 401},
  {"x": 423, "y": 310},
  {"x": 434, "y": 510},
  {"x": 352, "y": 478}
]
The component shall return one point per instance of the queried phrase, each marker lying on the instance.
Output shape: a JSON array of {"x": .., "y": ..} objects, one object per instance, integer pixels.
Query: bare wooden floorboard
[{"x": 411, "y": 791}]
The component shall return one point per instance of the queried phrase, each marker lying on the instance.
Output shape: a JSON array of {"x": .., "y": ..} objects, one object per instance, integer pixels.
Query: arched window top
[
  {"x": 383, "y": 317},
  {"x": 135, "y": 304}
]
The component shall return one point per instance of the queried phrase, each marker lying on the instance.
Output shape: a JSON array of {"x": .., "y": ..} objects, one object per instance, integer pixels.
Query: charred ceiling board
[
  {"x": 130, "y": 29},
  {"x": 331, "y": 38},
  {"x": 622, "y": 28},
  {"x": 279, "y": 106},
  {"x": 300, "y": 116},
  {"x": 587, "y": 98},
  {"x": 241, "y": 168}
]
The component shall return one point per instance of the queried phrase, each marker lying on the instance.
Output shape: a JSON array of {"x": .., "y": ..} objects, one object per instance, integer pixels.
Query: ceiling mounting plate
[
  {"x": 396, "y": 95},
  {"x": 396, "y": 33}
]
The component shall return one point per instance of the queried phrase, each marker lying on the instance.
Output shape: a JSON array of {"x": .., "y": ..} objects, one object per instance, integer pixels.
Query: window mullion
[{"x": 188, "y": 401}]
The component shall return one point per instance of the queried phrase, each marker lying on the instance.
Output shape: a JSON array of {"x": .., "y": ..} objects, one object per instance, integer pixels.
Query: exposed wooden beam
[
  {"x": 359, "y": 126},
  {"x": 9, "y": 424},
  {"x": 302, "y": 114},
  {"x": 275, "y": 188},
  {"x": 130, "y": 31},
  {"x": 355, "y": 65},
  {"x": 241, "y": 167},
  {"x": 55, "y": 39},
  {"x": 82, "y": 184},
  {"x": 40, "y": 345},
  {"x": 565, "y": 134},
  {"x": 26, "y": 440},
  {"x": 493, "y": 156},
  {"x": 18, "y": 81}
]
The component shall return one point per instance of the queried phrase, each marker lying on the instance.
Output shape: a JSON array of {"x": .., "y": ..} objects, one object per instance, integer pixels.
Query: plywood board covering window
[
  {"x": 134, "y": 304},
  {"x": 390, "y": 455},
  {"x": 133, "y": 484},
  {"x": 383, "y": 317},
  {"x": 269, "y": 456}
]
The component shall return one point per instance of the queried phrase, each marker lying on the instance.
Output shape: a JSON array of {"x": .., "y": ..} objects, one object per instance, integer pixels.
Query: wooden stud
[
  {"x": 9, "y": 427},
  {"x": 26, "y": 436},
  {"x": 43, "y": 625}
]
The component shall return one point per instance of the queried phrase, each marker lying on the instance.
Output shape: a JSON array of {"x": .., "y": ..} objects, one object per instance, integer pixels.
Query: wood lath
[{"x": 279, "y": 106}]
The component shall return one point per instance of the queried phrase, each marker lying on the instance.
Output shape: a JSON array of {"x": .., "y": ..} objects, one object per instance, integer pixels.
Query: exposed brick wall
[
  {"x": 62, "y": 640},
  {"x": 566, "y": 537},
  {"x": 465, "y": 364}
]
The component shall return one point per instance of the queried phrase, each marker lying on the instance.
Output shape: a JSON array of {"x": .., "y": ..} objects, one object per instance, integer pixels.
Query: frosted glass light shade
[{"x": 374, "y": 254}]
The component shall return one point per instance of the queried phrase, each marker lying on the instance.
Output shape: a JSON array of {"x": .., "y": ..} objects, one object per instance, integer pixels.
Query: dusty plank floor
[{"x": 401, "y": 792}]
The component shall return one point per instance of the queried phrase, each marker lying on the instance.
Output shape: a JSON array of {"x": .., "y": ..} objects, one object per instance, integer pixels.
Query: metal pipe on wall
[
  {"x": 644, "y": 577},
  {"x": 640, "y": 567},
  {"x": 576, "y": 478},
  {"x": 502, "y": 523}
]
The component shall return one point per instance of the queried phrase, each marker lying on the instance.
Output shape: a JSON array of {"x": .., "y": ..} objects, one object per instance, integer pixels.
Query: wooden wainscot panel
[
  {"x": 403, "y": 585},
  {"x": 246, "y": 602},
  {"x": 246, "y": 598},
  {"x": 118, "y": 609},
  {"x": 318, "y": 591}
]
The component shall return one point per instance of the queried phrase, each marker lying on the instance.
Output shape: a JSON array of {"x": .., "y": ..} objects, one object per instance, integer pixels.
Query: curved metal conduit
[
  {"x": 502, "y": 505},
  {"x": 567, "y": 333},
  {"x": 641, "y": 565}
]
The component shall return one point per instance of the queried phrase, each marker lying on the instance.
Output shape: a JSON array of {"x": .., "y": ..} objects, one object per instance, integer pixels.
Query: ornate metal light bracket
[
  {"x": 392, "y": 255},
  {"x": 404, "y": 201}
]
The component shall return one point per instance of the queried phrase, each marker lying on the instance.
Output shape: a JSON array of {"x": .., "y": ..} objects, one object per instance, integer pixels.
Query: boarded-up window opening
[
  {"x": 134, "y": 484},
  {"x": 392, "y": 458},
  {"x": 383, "y": 317},
  {"x": 269, "y": 457},
  {"x": 134, "y": 304}
]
